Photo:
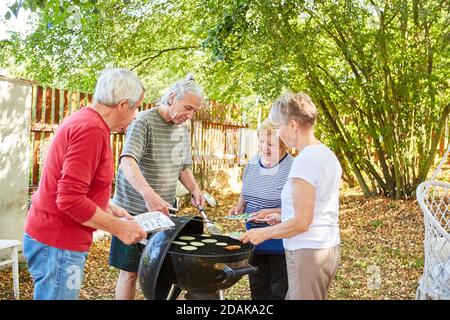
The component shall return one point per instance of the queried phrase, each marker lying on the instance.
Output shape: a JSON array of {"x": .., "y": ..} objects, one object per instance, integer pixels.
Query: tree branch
[
  {"x": 160, "y": 52},
  {"x": 433, "y": 147}
]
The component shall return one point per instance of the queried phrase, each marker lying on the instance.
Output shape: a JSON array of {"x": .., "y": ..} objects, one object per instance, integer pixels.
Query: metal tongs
[
  {"x": 210, "y": 227},
  {"x": 172, "y": 211}
]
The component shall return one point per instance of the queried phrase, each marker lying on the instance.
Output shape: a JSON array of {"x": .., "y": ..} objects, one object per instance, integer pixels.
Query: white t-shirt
[{"x": 317, "y": 165}]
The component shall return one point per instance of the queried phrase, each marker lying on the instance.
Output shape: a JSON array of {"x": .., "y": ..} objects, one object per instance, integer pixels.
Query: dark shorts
[{"x": 124, "y": 257}]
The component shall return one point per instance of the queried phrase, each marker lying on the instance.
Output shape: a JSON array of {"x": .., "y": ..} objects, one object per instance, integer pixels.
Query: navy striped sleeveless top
[{"x": 261, "y": 187}]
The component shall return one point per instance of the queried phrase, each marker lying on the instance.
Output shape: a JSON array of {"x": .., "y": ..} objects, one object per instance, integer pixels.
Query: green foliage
[
  {"x": 377, "y": 70},
  {"x": 376, "y": 223}
]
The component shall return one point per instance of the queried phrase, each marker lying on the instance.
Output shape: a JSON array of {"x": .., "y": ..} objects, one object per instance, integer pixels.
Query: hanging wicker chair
[{"x": 434, "y": 199}]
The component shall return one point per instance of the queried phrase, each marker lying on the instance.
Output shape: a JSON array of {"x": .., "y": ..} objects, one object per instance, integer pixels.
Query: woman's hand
[
  {"x": 273, "y": 219},
  {"x": 255, "y": 236},
  {"x": 261, "y": 216},
  {"x": 237, "y": 209}
]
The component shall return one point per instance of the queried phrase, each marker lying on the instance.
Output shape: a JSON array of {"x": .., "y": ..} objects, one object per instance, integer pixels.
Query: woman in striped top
[
  {"x": 262, "y": 182},
  {"x": 309, "y": 220}
]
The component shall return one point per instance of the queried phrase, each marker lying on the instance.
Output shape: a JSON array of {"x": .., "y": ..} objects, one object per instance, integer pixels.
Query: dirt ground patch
[{"x": 381, "y": 252}]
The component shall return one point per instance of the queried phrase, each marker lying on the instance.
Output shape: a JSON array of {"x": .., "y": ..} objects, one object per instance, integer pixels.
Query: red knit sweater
[{"x": 76, "y": 178}]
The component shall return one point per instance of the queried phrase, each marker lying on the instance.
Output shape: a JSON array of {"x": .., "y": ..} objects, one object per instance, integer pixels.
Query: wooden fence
[{"x": 215, "y": 138}]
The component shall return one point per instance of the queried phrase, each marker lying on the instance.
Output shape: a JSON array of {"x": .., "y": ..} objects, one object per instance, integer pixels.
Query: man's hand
[
  {"x": 117, "y": 211},
  {"x": 154, "y": 202},
  {"x": 255, "y": 236},
  {"x": 197, "y": 198},
  {"x": 131, "y": 232}
]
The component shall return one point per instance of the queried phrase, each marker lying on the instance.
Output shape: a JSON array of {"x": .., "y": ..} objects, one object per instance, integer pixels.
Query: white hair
[
  {"x": 118, "y": 84},
  {"x": 180, "y": 88}
]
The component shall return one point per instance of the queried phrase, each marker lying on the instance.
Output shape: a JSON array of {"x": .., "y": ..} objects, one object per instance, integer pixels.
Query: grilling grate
[{"x": 210, "y": 249}]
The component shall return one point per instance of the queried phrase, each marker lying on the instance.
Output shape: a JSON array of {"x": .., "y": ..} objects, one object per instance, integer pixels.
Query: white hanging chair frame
[
  {"x": 435, "y": 282},
  {"x": 421, "y": 192}
]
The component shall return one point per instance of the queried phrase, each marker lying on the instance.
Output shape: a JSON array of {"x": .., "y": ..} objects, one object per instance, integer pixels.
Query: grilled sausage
[{"x": 232, "y": 247}]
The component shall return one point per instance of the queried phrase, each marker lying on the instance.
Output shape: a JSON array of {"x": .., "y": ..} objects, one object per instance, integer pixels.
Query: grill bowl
[
  {"x": 211, "y": 268},
  {"x": 163, "y": 268}
]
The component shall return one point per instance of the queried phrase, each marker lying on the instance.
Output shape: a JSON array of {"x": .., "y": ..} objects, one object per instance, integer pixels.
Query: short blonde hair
[
  {"x": 269, "y": 127},
  {"x": 294, "y": 106}
]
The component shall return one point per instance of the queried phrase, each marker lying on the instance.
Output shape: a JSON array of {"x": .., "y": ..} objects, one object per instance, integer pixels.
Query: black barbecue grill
[{"x": 165, "y": 268}]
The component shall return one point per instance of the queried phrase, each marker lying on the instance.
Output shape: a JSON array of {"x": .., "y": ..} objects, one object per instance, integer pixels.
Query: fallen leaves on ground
[{"x": 381, "y": 252}]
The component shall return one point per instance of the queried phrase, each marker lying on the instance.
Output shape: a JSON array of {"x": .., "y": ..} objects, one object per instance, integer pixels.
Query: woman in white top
[{"x": 308, "y": 223}]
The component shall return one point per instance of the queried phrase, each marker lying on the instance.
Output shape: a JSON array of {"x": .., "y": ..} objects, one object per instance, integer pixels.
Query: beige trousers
[{"x": 310, "y": 272}]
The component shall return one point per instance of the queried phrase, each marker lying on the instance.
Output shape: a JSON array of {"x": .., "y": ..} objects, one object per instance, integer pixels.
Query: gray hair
[
  {"x": 180, "y": 88},
  {"x": 294, "y": 106},
  {"x": 117, "y": 84}
]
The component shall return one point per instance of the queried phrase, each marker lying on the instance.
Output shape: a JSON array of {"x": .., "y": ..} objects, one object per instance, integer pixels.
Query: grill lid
[
  {"x": 155, "y": 270},
  {"x": 210, "y": 249}
]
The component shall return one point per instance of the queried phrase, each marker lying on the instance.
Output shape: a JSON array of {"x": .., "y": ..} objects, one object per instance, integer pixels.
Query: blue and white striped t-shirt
[{"x": 261, "y": 186}]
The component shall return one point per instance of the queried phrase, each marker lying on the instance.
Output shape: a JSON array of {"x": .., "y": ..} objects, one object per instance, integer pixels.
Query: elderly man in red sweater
[{"x": 74, "y": 192}]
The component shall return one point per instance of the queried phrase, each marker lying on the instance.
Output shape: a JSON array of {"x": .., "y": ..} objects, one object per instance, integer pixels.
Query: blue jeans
[{"x": 57, "y": 273}]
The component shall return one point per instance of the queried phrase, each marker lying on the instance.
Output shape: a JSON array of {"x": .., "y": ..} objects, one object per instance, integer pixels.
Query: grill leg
[
  {"x": 174, "y": 292},
  {"x": 221, "y": 295}
]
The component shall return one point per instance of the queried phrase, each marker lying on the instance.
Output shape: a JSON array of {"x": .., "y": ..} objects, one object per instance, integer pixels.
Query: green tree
[{"x": 378, "y": 70}]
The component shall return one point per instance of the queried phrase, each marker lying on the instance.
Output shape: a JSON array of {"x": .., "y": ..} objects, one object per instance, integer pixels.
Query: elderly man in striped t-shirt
[{"x": 156, "y": 153}]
